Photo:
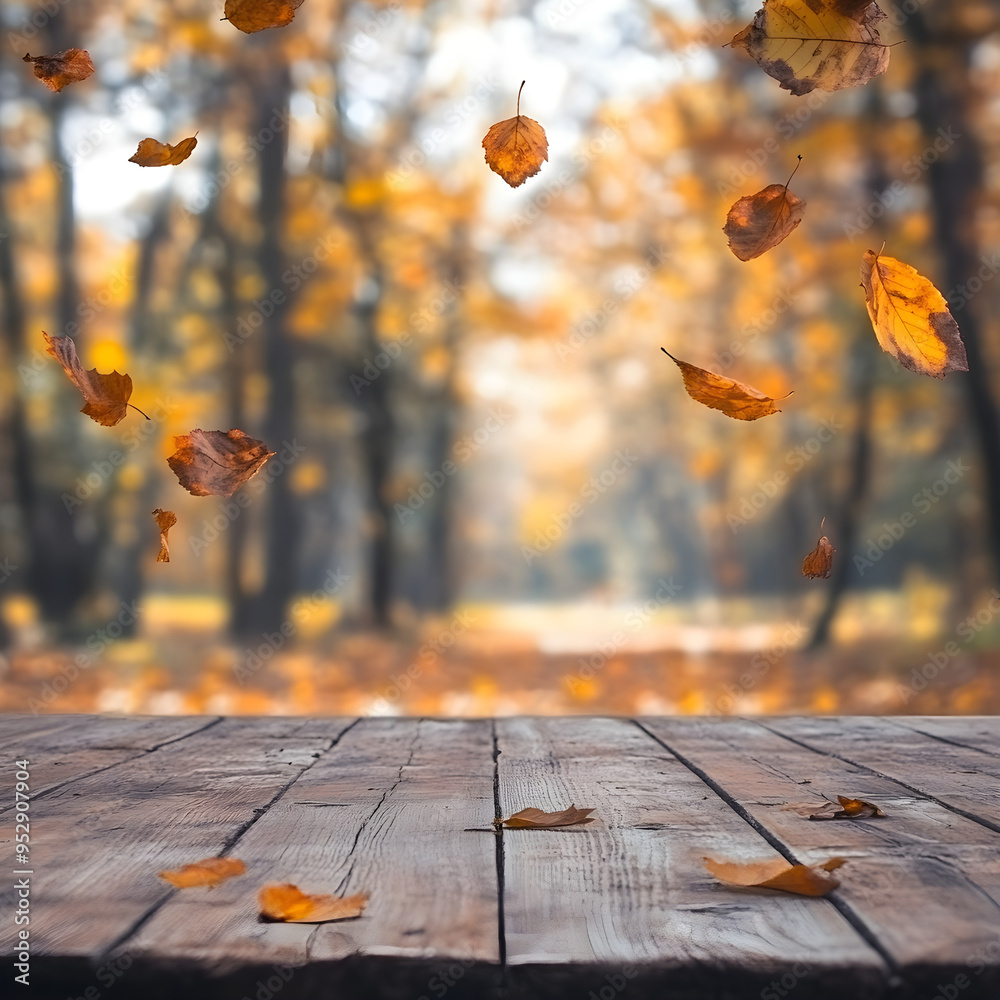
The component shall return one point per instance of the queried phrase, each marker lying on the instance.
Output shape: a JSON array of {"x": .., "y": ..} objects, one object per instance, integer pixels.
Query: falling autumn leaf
[
  {"x": 288, "y": 904},
  {"x": 537, "y": 819},
  {"x": 165, "y": 520},
  {"x": 760, "y": 221},
  {"x": 62, "y": 68},
  {"x": 819, "y": 562},
  {"x": 256, "y": 15},
  {"x": 161, "y": 154},
  {"x": 742, "y": 402},
  {"x": 911, "y": 318},
  {"x": 849, "y": 809},
  {"x": 218, "y": 462},
  {"x": 106, "y": 395},
  {"x": 809, "y": 44},
  {"x": 209, "y": 872},
  {"x": 516, "y": 148},
  {"x": 777, "y": 873}
]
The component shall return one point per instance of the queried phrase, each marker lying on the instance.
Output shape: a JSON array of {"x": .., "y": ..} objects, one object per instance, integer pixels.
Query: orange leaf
[
  {"x": 106, "y": 395},
  {"x": 165, "y": 520},
  {"x": 911, "y": 318},
  {"x": 849, "y": 809},
  {"x": 209, "y": 872},
  {"x": 56, "y": 71},
  {"x": 537, "y": 819},
  {"x": 161, "y": 154},
  {"x": 517, "y": 147},
  {"x": 777, "y": 873},
  {"x": 218, "y": 462},
  {"x": 758, "y": 222},
  {"x": 256, "y": 15},
  {"x": 289, "y": 904},
  {"x": 819, "y": 562},
  {"x": 734, "y": 399}
]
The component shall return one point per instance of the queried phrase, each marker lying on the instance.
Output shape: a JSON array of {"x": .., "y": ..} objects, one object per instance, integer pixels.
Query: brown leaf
[
  {"x": 288, "y": 904},
  {"x": 849, "y": 809},
  {"x": 911, "y": 318},
  {"x": 805, "y": 44},
  {"x": 758, "y": 222},
  {"x": 209, "y": 872},
  {"x": 734, "y": 399},
  {"x": 161, "y": 154},
  {"x": 517, "y": 147},
  {"x": 537, "y": 819},
  {"x": 165, "y": 520},
  {"x": 106, "y": 395},
  {"x": 62, "y": 68},
  {"x": 218, "y": 462},
  {"x": 777, "y": 873},
  {"x": 819, "y": 562},
  {"x": 256, "y": 15}
]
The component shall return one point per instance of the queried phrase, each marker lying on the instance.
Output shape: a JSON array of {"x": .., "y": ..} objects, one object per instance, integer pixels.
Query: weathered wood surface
[{"x": 404, "y": 809}]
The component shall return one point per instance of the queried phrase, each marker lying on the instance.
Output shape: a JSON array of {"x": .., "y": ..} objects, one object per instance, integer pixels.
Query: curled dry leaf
[
  {"x": 209, "y": 872},
  {"x": 758, "y": 222},
  {"x": 735, "y": 399},
  {"x": 911, "y": 318},
  {"x": 849, "y": 809},
  {"x": 165, "y": 520},
  {"x": 106, "y": 395},
  {"x": 62, "y": 68},
  {"x": 517, "y": 147},
  {"x": 809, "y": 44},
  {"x": 256, "y": 15},
  {"x": 161, "y": 154},
  {"x": 218, "y": 462},
  {"x": 777, "y": 873},
  {"x": 819, "y": 562},
  {"x": 537, "y": 819},
  {"x": 287, "y": 903}
]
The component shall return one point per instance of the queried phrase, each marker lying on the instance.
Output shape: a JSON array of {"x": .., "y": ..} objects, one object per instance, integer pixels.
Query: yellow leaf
[
  {"x": 777, "y": 873},
  {"x": 516, "y": 148},
  {"x": 161, "y": 154},
  {"x": 805, "y": 44},
  {"x": 911, "y": 318},
  {"x": 209, "y": 872},
  {"x": 287, "y": 903}
]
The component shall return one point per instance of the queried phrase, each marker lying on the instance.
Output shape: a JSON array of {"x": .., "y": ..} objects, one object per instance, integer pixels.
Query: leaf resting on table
[
  {"x": 256, "y": 15},
  {"x": 810, "y": 44},
  {"x": 777, "y": 873},
  {"x": 734, "y": 399},
  {"x": 62, "y": 68},
  {"x": 911, "y": 317},
  {"x": 209, "y": 872},
  {"x": 216, "y": 462},
  {"x": 849, "y": 809},
  {"x": 165, "y": 520},
  {"x": 107, "y": 396},
  {"x": 287, "y": 903},
  {"x": 537, "y": 819},
  {"x": 161, "y": 154}
]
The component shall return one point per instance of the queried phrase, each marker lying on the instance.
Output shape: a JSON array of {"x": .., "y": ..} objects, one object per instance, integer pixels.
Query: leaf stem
[
  {"x": 794, "y": 172},
  {"x": 519, "y": 89},
  {"x": 137, "y": 410}
]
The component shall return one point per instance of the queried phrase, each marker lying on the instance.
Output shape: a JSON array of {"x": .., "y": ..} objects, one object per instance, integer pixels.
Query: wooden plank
[
  {"x": 83, "y": 745},
  {"x": 629, "y": 890},
  {"x": 961, "y": 779},
  {"x": 979, "y": 732},
  {"x": 19, "y": 725},
  {"x": 98, "y": 842},
  {"x": 924, "y": 881},
  {"x": 385, "y": 812}
]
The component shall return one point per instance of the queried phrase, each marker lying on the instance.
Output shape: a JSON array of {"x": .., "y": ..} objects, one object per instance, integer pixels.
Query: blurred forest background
[{"x": 491, "y": 492}]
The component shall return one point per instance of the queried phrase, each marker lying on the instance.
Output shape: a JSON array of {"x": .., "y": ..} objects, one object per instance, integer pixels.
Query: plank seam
[
  {"x": 228, "y": 845},
  {"x": 944, "y": 739},
  {"x": 107, "y": 767},
  {"x": 843, "y": 908},
  {"x": 500, "y": 859},
  {"x": 958, "y": 810}
]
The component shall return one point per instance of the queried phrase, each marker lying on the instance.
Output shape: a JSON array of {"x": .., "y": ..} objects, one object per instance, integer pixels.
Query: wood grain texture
[
  {"x": 910, "y": 875},
  {"x": 978, "y": 732},
  {"x": 97, "y": 843},
  {"x": 629, "y": 890}
]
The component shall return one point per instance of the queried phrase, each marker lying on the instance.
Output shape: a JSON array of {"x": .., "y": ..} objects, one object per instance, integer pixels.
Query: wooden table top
[{"x": 403, "y": 809}]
